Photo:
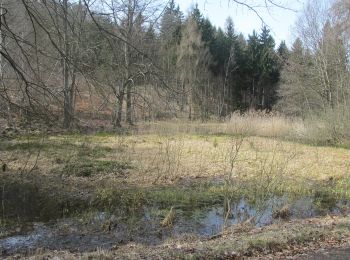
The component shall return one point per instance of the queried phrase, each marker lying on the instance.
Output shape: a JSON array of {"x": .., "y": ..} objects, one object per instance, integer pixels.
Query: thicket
[{"x": 64, "y": 62}]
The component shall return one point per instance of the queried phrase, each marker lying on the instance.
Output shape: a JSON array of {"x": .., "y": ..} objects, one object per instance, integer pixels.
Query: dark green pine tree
[
  {"x": 253, "y": 70},
  {"x": 239, "y": 73},
  {"x": 197, "y": 16},
  {"x": 220, "y": 51},
  {"x": 230, "y": 29},
  {"x": 268, "y": 70},
  {"x": 171, "y": 23},
  {"x": 208, "y": 31},
  {"x": 228, "y": 64},
  {"x": 170, "y": 37},
  {"x": 283, "y": 52},
  {"x": 293, "y": 99}
]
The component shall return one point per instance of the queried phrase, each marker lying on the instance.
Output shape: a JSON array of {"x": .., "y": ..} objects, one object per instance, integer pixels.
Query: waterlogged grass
[
  {"x": 72, "y": 154},
  {"x": 190, "y": 171},
  {"x": 278, "y": 241},
  {"x": 264, "y": 167},
  {"x": 132, "y": 199},
  {"x": 32, "y": 199},
  {"x": 129, "y": 204},
  {"x": 270, "y": 240},
  {"x": 52, "y": 146},
  {"x": 87, "y": 167},
  {"x": 185, "y": 171},
  {"x": 187, "y": 198}
]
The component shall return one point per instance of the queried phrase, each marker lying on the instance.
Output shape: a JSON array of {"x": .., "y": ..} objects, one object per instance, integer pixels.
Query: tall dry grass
[
  {"x": 263, "y": 124},
  {"x": 251, "y": 123}
]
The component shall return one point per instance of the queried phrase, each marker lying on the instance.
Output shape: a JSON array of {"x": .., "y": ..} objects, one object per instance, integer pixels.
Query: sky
[{"x": 280, "y": 21}]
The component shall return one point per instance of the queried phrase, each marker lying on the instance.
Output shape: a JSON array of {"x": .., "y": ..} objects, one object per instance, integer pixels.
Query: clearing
[{"x": 188, "y": 193}]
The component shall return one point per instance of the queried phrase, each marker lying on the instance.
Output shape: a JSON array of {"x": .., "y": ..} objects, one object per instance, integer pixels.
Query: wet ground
[{"x": 31, "y": 219}]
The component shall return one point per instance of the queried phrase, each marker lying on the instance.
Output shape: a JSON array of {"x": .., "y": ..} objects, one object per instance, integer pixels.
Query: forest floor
[{"x": 172, "y": 194}]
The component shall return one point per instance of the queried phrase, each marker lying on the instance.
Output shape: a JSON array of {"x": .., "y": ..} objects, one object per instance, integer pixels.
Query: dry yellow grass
[
  {"x": 269, "y": 165},
  {"x": 164, "y": 159},
  {"x": 168, "y": 152},
  {"x": 198, "y": 157},
  {"x": 251, "y": 123}
]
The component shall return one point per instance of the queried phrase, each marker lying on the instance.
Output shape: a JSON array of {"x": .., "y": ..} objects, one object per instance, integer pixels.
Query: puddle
[
  {"x": 262, "y": 215},
  {"x": 27, "y": 242},
  {"x": 240, "y": 212},
  {"x": 25, "y": 202},
  {"x": 39, "y": 220},
  {"x": 70, "y": 234}
]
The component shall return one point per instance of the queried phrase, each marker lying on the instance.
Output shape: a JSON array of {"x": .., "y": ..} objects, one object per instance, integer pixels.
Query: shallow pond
[{"x": 31, "y": 219}]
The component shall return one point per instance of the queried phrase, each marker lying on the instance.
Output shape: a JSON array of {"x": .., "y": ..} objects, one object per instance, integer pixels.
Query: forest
[
  {"x": 130, "y": 129},
  {"x": 130, "y": 62},
  {"x": 70, "y": 63}
]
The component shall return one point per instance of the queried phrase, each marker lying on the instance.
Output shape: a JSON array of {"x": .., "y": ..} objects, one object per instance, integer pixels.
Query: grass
[
  {"x": 133, "y": 199},
  {"x": 263, "y": 166},
  {"x": 32, "y": 198},
  {"x": 191, "y": 167},
  {"x": 251, "y": 123},
  {"x": 86, "y": 167}
]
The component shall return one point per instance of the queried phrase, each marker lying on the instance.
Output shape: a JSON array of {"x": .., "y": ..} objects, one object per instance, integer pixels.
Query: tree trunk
[
  {"x": 190, "y": 99},
  {"x": 9, "y": 117},
  {"x": 263, "y": 98},
  {"x": 127, "y": 63},
  {"x": 128, "y": 105},
  {"x": 67, "y": 88},
  {"x": 119, "y": 110}
]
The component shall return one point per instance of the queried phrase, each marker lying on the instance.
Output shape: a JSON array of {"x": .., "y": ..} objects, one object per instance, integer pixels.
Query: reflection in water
[
  {"x": 30, "y": 241},
  {"x": 25, "y": 202},
  {"x": 260, "y": 215},
  {"x": 51, "y": 224}
]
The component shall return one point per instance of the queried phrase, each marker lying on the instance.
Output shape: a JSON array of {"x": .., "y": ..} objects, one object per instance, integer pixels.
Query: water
[
  {"x": 39, "y": 220},
  {"x": 65, "y": 234},
  {"x": 25, "y": 202},
  {"x": 256, "y": 215},
  {"x": 241, "y": 212},
  {"x": 27, "y": 242}
]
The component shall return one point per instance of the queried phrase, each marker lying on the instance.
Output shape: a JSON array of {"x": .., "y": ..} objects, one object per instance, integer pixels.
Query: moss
[
  {"x": 95, "y": 151},
  {"x": 127, "y": 200},
  {"x": 55, "y": 147},
  {"x": 187, "y": 197},
  {"x": 132, "y": 199},
  {"x": 25, "y": 146},
  {"x": 32, "y": 200},
  {"x": 86, "y": 167}
]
